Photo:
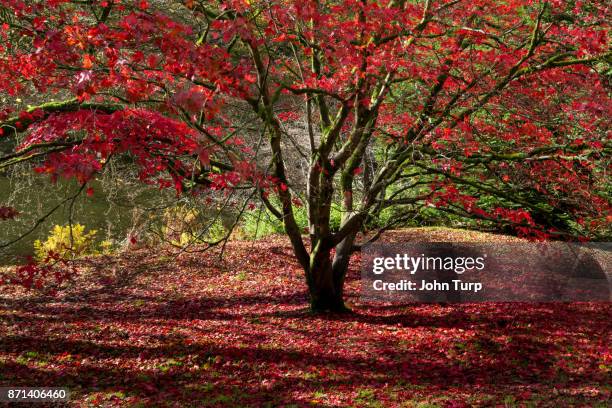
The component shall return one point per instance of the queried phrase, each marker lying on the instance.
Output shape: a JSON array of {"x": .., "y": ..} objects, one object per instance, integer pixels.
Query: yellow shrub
[
  {"x": 59, "y": 242},
  {"x": 106, "y": 246},
  {"x": 183, "y": 226},
  {"x": 178, "y": 221}
]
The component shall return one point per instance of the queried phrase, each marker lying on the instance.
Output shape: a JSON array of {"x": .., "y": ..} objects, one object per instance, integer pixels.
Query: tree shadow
[
  {"x": 229, "y": 348},
  {"x": 256, "y": 369}
]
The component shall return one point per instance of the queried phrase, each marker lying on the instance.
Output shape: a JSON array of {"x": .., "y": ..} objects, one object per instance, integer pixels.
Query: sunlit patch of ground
[{"x": 442, "y": 234}]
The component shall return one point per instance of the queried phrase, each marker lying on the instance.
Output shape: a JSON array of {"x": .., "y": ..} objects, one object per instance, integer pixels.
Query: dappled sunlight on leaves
[{"x": 235, "y": 332}]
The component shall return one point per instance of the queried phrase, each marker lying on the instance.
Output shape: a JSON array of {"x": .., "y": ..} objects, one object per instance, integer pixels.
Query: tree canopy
[{"x": 494, "y": 111}]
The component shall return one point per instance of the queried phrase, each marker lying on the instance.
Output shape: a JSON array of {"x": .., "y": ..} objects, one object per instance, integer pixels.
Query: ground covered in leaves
[{"x": 144, "y": 330}]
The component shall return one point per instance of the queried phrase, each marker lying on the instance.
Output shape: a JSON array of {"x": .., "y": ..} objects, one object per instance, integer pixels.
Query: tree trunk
[{"x": 325, "y": 287}]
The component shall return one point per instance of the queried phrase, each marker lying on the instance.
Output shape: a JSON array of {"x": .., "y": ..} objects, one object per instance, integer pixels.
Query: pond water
[{"x": 113, "y": 210}]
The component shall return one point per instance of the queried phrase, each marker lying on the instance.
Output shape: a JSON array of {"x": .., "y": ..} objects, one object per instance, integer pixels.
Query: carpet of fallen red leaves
[{"x": 147, "y": 330}]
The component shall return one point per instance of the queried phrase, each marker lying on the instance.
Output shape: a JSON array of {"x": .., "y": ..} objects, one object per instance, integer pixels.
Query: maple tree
[{"x": 495, "y": 111}]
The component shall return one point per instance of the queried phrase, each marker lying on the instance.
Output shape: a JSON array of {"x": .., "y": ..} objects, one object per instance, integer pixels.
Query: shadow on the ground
[{"x": 231, "y": 347}]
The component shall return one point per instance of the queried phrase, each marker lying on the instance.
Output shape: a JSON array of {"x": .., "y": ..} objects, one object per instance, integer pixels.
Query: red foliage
[
  {"x": 518, "y": 62},
  {"x": 46, "y": 276},
  {"x": 8, "y": 213}
]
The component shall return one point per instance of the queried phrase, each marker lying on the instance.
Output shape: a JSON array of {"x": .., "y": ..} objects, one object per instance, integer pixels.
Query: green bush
[
  {"x": 262, "y": 223},
  {"x": 257, "y": 224}
]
